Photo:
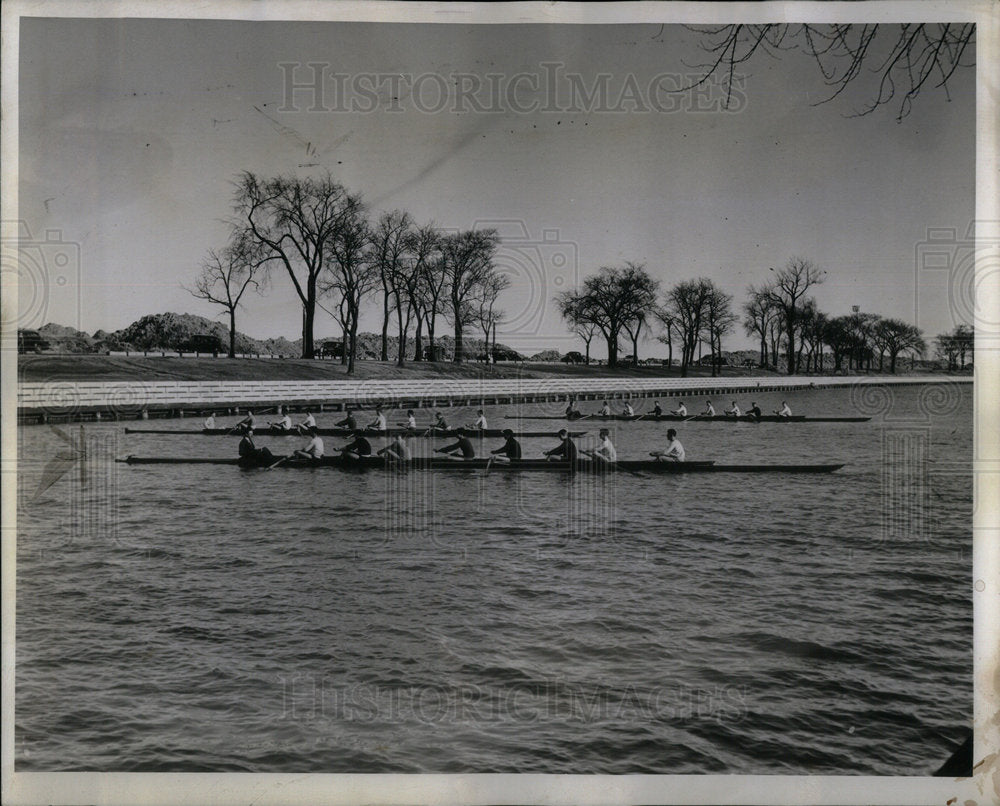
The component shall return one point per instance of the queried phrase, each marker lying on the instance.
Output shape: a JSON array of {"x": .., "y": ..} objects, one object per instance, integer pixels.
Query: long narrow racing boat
[
  {"x": 697, "y": 418},
  {"x": 481, "y": 433},
  {"x": 438, "y": 463}
]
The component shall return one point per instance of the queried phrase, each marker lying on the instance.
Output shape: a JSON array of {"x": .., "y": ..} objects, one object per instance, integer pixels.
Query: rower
[
  {"x": 628, "y": 411},
  {"x": 379, "y": 423},
  {"x": 681, "y": 410},
  {"x": 734, "y": 411},
  {"x": 284, "y": 424},
  {"x": 755, "y": 411},
  {"x": 349, "y": 422},
  {"x": 605, "y": 454},
  {"x": 709, "y": 409},
  {"x": 462, "y": 444},
  {"x": 308, "y": 423},
  {"x": 312, "y": 451},
  {"x": 605, "y": 410},
  {"x": 566, "y": 450},
  {"x": 657, "y": 409},
  {"x": 210, "y": 421},
  {"x": 480, "y": 424},
  {"x": 674, "y": 451},
  {"x": 250, "y": 453},
  {"x": 784, "y": 411},
  {"x": 572, "y": 412},
  {"x": 411, "y": 420},
  {"x": 247, "y": 423},
  {"x": 511, "y": 448},
  {"x": 396, "y": 450},
  {"x": 358, "y": 448},
  {"x": 439, "y": 423}
]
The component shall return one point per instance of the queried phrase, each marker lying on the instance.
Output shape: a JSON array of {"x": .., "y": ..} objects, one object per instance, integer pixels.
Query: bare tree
[
  {"x": 225, "y": 277},
  {"x": 352, "y": 272},
  {"x": 424, "y": 246},
  {"x": 904, "y": 59},
  {"x": 295, "y": 220},
  {"x": 488, "y": 314},
  {"x": 758, "y": 313},
  {"x": 573, "y": 308},
  {"x": 787, "y": 292},
  {"x": 686, "y": 302},
  {"x": 719, "y": 320},
  {"x": 467, "y": 260},
  {"x": 389, "y": 242}
]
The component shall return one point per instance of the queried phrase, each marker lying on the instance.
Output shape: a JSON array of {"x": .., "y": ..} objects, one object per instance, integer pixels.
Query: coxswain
[
  {"x": 308, "y": 423},
  {"x": 605, "y": 410},
  {"x": 358, "y": 448},
  {"x": 657, "y": 409},
  {"x": 784, "y": 411},
  {"x": 565, "y": 450},
  {"x": 480, "y": 424},
  {"x": 462, "y": 444},
  {"x": 681, "y": 410},
  {"x": 734, "y": 411},
  {"x": 284, "y": 424},
  {"x": 250, "y": 453},
  {"x": 210, "y": 421},
  {"x": 397, "y": 450},
  {"x": 605, "y": 453},
  {"x": 511, "y": 448},
  {"x": 379, "y": 423},
  {"x": 248, "y": 423},
  {"x": 572, "y": 412},
  {"x": 349, "y": 422},
  {"x": 755, "y": 411},
  {"x": 674, "y": 451},
  {"x": 314, "y": 450},
  {"x": 439, "y": 423},
  {"x": 709, "y": 409}
]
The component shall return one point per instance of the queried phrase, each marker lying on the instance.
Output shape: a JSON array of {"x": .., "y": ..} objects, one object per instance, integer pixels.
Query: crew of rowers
[
  {"x": 754, "y": 412},
  {"x": 397, "y": 449}
]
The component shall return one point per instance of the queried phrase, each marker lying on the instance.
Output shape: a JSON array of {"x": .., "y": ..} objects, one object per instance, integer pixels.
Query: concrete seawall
[{"x": 68, "y": 401}]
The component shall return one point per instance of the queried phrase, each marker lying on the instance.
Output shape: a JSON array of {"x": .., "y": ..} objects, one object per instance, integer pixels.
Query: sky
[{"x": 133, "y": 131}]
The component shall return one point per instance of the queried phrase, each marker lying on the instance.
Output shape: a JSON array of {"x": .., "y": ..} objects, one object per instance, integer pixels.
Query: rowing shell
[
  {"x": 697, "y": 418},
  {"x": 436, "y": 463},
  {"x": 482, "y": 433}
]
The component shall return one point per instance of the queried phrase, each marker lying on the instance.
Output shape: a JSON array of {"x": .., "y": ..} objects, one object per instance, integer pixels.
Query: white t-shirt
[
  {"x": 284, "y": 422},
  {"x": 411, "y": 421},
  {"x": 315, "y": 448},
  {"x": 481, "y": 421},
  {"x": 379, "y": 424},
  {"x": 209, "y": 422},
  {"x": 309, "y": 421},
  {"x": 674, "y": 451},
  {"x": 682, "y": 410},
  {"x": 785, "y": 411},
  {"x": 607, "y": 450},
  {"x": 710, "y": 410},
  {"x": 628, "y": 410},
  {"x": 735, "y": 410}
]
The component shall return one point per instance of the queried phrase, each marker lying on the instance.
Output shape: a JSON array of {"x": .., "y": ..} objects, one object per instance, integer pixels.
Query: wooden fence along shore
[{"x": 70, "y": 401}]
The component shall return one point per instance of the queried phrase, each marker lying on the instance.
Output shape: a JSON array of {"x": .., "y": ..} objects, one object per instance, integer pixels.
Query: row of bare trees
[
  {"x": 319, "y": 233},
  {"x": 780, "y": 313}
]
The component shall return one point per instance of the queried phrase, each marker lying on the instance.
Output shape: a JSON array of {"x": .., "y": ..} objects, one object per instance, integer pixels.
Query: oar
[
  {"x": 489, "y": 464},
  {"x": 282, "y": 459}
]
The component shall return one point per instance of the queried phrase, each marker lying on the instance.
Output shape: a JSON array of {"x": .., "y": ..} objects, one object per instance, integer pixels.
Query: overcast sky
[{"x": 131, "y": 132}]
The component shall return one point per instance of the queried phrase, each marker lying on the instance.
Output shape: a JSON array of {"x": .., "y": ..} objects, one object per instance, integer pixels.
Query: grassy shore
[{"x": 41, "y": 368}]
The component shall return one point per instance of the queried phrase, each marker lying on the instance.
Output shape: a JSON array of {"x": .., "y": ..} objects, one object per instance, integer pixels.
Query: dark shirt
[
  {"x": 464, "y": 444},
  {"x": 657, "y": 410},
  {"x": 440, "y": 423},
  {"x": 511, "y": 449},
  {"x": 348, "y": 422},
  {"x": 755, "y": 411},
  {"x": 567, "y": 450},
  {"x": 247, "y": 448},
  {"x": 360, "y": 446}
]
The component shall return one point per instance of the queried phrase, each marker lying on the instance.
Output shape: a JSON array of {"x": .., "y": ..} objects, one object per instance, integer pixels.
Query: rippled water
[{"x": 208, "y": 618}]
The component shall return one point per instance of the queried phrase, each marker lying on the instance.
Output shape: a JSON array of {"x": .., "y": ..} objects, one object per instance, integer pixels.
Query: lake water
[{"x": 205, "y": 618}]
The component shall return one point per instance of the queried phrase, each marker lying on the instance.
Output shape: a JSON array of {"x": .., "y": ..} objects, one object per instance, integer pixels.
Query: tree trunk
[
  {"x": 307, "y": 321},
  {"x": 459, "y": 346},
  {"x": 418, "y": 338},
  {"x": 385, "y": 321},
  {"x": 763, "y": 350},
  {"x": 790, "y": 335},
  {"x": 353, "y": 315},
  {"x": 232, "y": 332}
]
